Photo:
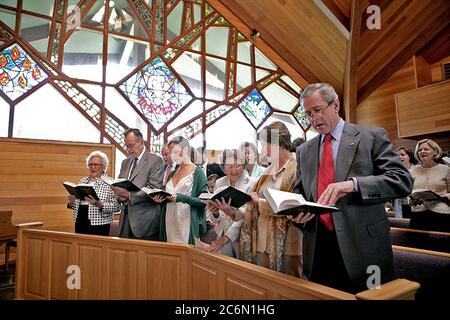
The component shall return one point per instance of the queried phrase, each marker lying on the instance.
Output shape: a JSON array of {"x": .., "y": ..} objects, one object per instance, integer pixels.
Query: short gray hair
[
  {"x": 101, "y": 155},
  {"x": 325, "y": 90}
]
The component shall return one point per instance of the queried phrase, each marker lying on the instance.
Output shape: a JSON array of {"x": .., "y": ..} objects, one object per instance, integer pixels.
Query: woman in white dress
[
  {"x": 228, "y": 220},
  {"x": 183, "y": 217}
]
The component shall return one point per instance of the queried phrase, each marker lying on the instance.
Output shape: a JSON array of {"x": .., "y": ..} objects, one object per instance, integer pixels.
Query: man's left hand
[{"x": 335, "y": 191}]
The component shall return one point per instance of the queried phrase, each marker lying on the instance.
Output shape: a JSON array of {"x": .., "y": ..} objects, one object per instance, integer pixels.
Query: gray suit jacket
[
  {"x": 143, "y": 214},
  {"x": 361, "y": 226}
]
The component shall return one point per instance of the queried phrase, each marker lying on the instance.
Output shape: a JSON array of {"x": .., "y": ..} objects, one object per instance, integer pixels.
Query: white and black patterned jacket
[{"x": 110, "y": 205}]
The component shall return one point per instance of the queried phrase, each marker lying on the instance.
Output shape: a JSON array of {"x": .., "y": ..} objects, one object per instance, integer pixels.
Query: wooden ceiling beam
[
  {"x": 351, "y": 62},
  {"x": 396, "y": 62},
  {"x": 341, "y": 16},
  {"x": 437, "y": 48},
  {"x": 298, "y": 32}
]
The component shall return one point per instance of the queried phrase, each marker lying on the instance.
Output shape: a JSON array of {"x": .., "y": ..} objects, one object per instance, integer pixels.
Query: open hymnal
[
  {"x": 122, "y": 183},
  {"x": 425, "y": 194},
  {"x": 81, "y": 190},
  {"x": 238, "y": 198},
  {"x": 154, "y": 192},
  {"x": 288, "y": 203}
]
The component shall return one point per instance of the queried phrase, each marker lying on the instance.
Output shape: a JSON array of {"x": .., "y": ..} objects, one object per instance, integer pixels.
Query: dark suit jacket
[
  {"x": 212, "y": 168},
  {"x": 143, "y": 214},
  {"x": 362, "y": 227}
]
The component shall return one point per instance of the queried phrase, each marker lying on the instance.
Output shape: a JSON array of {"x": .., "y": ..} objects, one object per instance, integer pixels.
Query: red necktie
[
  {"x": 166, "y": 173},
  {"x": 326, "y": 176}
]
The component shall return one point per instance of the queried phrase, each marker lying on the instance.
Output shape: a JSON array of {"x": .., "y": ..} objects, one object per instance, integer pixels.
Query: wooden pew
[
  {"x": 398, "y": 222},
  {"x": 8, "y": 234},
  {"x": 421, "y": 239},
  {"x": 429, "y": 268},
  {"x": 115, "y": 268}
]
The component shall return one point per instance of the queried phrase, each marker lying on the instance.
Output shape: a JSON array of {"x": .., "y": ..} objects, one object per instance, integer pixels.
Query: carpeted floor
[{"x": 7, "y": 282}]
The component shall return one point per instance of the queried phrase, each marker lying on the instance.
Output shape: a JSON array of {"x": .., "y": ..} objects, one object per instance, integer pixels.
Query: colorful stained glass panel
[
  {"x": 19, "y": 73},
  {"x": 156, "y": 92},
  {"x": 301, "y": 117},
  {"x": 255, "y": 108}
]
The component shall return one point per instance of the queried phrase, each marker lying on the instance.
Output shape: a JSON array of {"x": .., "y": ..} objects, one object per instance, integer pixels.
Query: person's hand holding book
[
  {"x": 302, "y": 217},
  {"x": 225, "y": 207},
  {"x": 71, "y": 200},
  {"x": 255, "y": 198},
  {"x": 121, "y": 193},
  {"x": 159, "y": 198},
  {"x": 212, "y": 207},
  {"x": 92, "y": 201}
]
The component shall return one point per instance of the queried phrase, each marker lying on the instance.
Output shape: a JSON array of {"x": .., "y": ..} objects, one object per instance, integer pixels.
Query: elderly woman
[
  {"x": 227, "y": 220},
  {"x": 430, "y": 175},
  {"x": 183, "y": 217},
  {"x": 267, "y": 239},
  {"x": 95, "y": 216}
]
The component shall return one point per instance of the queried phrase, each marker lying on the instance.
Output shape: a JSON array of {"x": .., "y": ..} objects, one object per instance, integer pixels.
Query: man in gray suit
[
  {"x": 140, "y": 216},
  {"x": 355, "y": 168}
]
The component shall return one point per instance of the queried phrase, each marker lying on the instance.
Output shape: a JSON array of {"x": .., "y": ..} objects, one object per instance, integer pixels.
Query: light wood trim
[
  {"x": 430, "y": 252},
  {"x": 424, "y": 110},
  {"x": 117, "y": 268},
  {"x": 351, "y": 63},
  {"x": 398, "y": 289},
  {"x": 437, "y": 233}
]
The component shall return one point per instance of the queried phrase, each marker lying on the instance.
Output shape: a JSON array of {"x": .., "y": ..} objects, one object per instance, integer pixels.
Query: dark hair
[
  {"x": 184, "y": 143},
  {"x": 298, "y": 141},
  {"x": 213, "y": 176},
  {"x": 137, "y": 133},
  {"x": 276, "y": 132},
  {"x": 232, "y": 156},
  {"x": 409, "y": 152},
  {"x": 248, "y": 145}
]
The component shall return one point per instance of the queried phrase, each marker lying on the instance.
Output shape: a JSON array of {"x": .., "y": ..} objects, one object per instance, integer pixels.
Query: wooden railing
[
  {"x": 423, "y": 110},
  {"x": 116, "y": 268}
]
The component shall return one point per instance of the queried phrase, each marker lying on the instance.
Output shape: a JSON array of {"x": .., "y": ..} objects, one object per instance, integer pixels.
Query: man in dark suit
[
  {"x": 209, "y": 168},
  {"x": 355, "y": 168},
  {"x": 140, "y": 216}
]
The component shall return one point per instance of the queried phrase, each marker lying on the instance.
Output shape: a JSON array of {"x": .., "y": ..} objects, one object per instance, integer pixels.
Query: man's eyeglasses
[{"x": 317, "y": 110}]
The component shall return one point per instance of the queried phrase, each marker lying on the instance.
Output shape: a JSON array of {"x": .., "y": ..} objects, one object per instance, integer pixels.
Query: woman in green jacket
[{"x": 183, "y": 216}]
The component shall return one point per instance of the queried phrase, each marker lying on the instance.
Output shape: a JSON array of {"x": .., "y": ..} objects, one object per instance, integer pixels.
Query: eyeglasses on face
[
  {"x": 234, "y": 166},
  {"x": 318, "y": 110},
  {"x": 90, "y": 165}
]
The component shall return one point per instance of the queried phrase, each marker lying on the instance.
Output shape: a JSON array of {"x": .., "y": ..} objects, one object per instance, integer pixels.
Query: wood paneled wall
[
  {"x": 424, "y": 110},
  {"x": 379, "y": 108},
  {"x": 437, "y": 73},
  {"x": 115, "y": 268},
  {"x": 31, "y": 173}
]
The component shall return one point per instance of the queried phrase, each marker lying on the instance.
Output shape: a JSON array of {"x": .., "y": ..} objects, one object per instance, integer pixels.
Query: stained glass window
[
  {"x": 156, "y": 92},
  {"x": 301, "y": 117},
  {"x": 255, "y": 108},
  {"x": 19, "y": 73},
  {"x": 169, "y": 67}
]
